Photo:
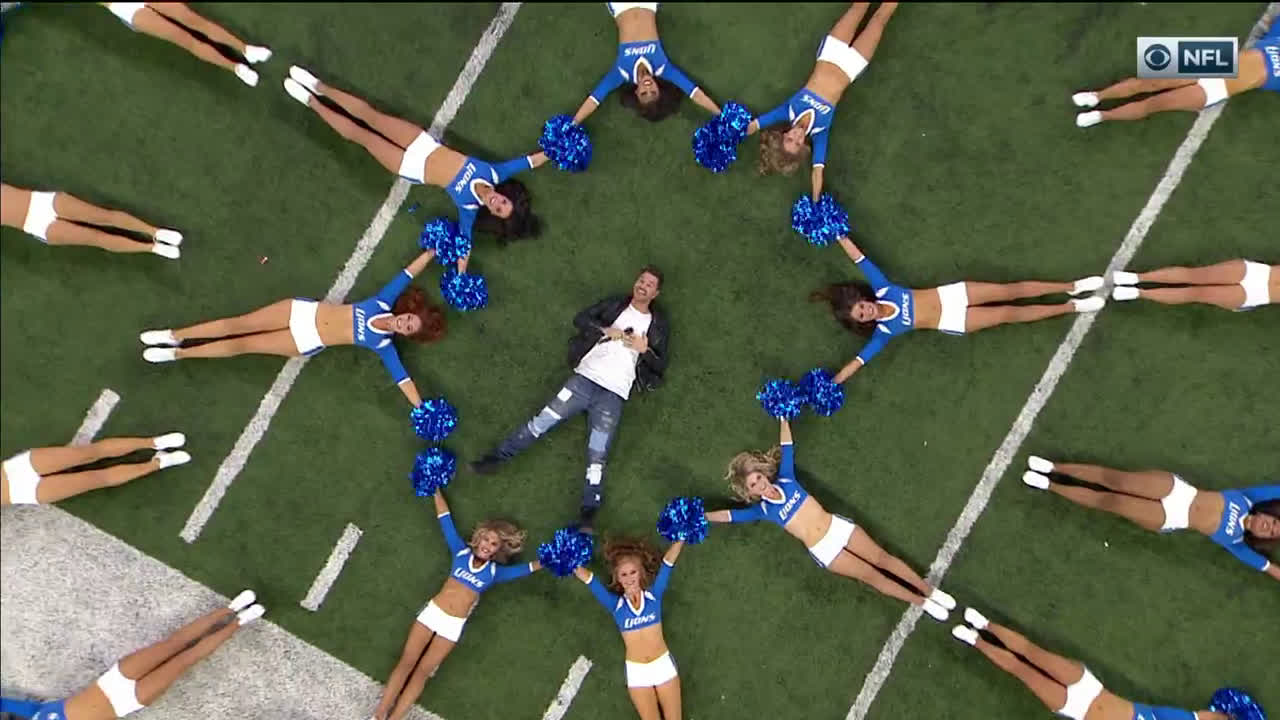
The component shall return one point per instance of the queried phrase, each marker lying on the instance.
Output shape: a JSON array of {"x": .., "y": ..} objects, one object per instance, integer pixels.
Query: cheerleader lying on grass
[
  {"x": 485, "y": 195},
  {"x": 184, "y": 27},
  {"x": 478, "y": 565},
  {"x": 768, "y": 480},
  {"x": 59, "y": 218},
  {"x": 1231, "y": 285},
  {"x": 637, "y": 581},
  {"x": 654, "y": 84},
  {"x": 301, "y": 326},
  {"x": 1065, "y": 686},
  {"x": 884, "y": 311},
  {"x": 1245, "y": 522},
  {"x": 808, "y": 114}
]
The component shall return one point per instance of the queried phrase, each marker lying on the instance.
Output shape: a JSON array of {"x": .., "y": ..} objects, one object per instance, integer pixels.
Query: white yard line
[
  {"x": 568, "y": 689},
  {"x": 1040, "y": 395},
  {"x": 70, "y": 586},
  {"x": 96, "y": 417},
  {"x": 253, "y": 433},
  {"x": 332, "y": 568}
]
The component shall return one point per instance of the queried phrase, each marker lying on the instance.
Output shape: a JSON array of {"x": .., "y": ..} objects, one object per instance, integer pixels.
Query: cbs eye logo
[{"x": 1157, "y": 57}]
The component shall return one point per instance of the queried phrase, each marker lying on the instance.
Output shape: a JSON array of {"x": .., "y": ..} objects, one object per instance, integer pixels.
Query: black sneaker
[{"x": 486, "y": 465}]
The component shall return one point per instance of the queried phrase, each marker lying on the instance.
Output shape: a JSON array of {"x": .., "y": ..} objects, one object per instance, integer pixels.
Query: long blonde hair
[
  {"x": 510, "y": 538},
  {"x": 747, "y": 462},
  {"x": 774, "y": 157}
]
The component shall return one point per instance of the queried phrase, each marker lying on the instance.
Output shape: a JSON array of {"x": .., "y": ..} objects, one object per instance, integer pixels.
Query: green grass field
[{"x": 957, "y": 158}]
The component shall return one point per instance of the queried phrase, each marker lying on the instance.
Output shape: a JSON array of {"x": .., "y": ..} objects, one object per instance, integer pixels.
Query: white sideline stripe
[
  {"x": 568, "y": 689},
  {"x": 56, "y": 641},
  {"x": 96, "y": 417},
  {"x": 253, "y": 433},
  {"x": 1039, "y": 396},
  {"x": 332, "y": 568}
]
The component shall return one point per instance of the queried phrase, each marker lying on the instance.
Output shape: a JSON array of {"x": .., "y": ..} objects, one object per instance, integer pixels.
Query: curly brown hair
[
  {"x": 773, "y": 156},
  {"x": 510, "y": 538},
  {"x": 747, "y": 462},
  {"x": 415, "y": 302},
  {"x": 619, "y": 548},
  {"x": 842, "y": 297}
]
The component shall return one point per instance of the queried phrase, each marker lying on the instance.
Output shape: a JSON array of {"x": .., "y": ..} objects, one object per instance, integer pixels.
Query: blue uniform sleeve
[
  {"x": 391, "y": 360},
  {"x": 787, "y": 467},
  {"x": 1248, "y": 556},
  {"x": 746, "y": 514},
  {"x": 607, "y": 84},
  {"x": 873, "y": 346},
  {"x": 602, "y": 594},
  {"x": 451, "y": 537},
  {"x": 773, "y": 117},
  {"x": 512, "y": 166},
  {"x": 466, "y": 221},
  {"x": 676, "y": 76},
  {"x": 1261, "y": 493},
  {"x": 19, "y": 708},
  {"x": 664, "y": 575},
  {"x": 392, "y": 290},
  {"x": 874, "y": 276},
  {"x": 820, "y": 148},
  {"x": 507, "y": 573}
]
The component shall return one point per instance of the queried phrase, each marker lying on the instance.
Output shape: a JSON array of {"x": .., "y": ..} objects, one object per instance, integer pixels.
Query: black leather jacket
[{"x": 652, "y": 364}]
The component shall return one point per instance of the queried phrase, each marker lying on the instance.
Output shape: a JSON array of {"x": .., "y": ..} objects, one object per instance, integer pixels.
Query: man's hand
[
  {"x": 612, "y": 333},
  {"x": 639, "y": 343}
]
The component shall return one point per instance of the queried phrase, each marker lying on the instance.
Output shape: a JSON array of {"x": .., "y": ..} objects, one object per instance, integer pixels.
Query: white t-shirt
[{"x": 612, "y": 365}]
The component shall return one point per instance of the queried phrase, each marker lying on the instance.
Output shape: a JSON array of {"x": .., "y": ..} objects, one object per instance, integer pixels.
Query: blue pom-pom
[
  {"x": 821, "y": 222},
  {"x": 433, "y": 468},
  {"x": 715, "y": 144},
  {"x": 781, "y": 399},
  {"x": 566, "y": 144},
  {"x": 568, "y": 550},
  {"x": 1236, "y": 703},
  {"x": 434, "y": 419},
  {"x": 464, "y": 291},
  {"x": 684, "y": 519},
  {"x": 442, "y": 235},
  {"x": 736, "y": 118},
  {"x": 821, "y": 392}
]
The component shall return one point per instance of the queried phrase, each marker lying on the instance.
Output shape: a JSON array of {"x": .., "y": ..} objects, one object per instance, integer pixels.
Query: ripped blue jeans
[{"x": 604, "y": 410}]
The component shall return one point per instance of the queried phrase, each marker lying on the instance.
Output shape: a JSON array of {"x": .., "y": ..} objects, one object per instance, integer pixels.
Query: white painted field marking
[
  {"x": 253, "y": 433},
  {"x": 332, "y": 568},
  {"x": 1040, "y": 395},
  {"x": 70, "y": 586},
  {"x": 568, "y": 689},
  {"x": 96, "y": 417}
]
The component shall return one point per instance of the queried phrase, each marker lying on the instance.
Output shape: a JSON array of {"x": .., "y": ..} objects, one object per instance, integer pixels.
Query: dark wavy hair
[
  {"x": 521, "y": 223},
  {"x": 1264, "y": 546},
  {"x": 842, "y": 297},
  {"x": 415, "y": 302},
  {"x": 669, "y": 97},
  {"x": 618, "y": 548},
  {"x": 654, "y": 271}
]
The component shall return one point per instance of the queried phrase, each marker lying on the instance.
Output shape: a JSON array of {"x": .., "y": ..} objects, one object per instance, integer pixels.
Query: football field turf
[{"x": 957, "y": 158}]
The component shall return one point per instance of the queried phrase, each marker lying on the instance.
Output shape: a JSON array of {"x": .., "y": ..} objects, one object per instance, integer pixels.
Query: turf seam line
[
  {"x": 568, "y": 689},
  {"x": 332, "y": 568},
  {"x": 1058, "y": 365},
  {"x": 96, "y": 417},
  {"x": 53, "y": 561},
  {"x": 256, "y": 429}
]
